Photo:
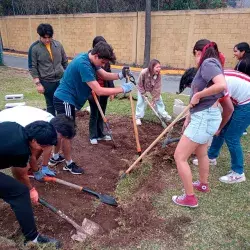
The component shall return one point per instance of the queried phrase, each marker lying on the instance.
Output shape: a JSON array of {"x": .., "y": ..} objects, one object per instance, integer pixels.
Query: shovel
[
  {"x": 130, "y": 77},
  {"x": 89, "y": 227},
  {"x": 107, "y": 199},
  {"x": 155, "y": 112},
  {"x": 167, "y": 129},
  {"x": 103, "y": 117}
]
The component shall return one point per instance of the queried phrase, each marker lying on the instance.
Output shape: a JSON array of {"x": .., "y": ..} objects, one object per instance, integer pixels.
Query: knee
[{"x": 179, "y": 157}]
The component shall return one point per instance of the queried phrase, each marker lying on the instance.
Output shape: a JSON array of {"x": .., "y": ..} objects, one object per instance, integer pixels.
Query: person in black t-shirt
[{"x": 15, "y": 149}]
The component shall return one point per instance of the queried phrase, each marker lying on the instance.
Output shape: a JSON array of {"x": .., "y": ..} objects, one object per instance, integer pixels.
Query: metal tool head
[
  {"x": 168, "y": 141},
  {"x": 107, "y": 199}
]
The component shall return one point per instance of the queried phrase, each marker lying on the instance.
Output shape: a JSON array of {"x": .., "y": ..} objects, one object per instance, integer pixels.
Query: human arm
[
  {"x": 211, "y": 72},
  {"x": 112, "y": 76},
  {"x": 218, "y": 86},
  {"x": 21, "y": 174},
  {"x": 228, "y": 110},
  {"x": 141, "y": 83},
  {"x": 33, "y": 69},
  {"x": 95, "y": 86}
]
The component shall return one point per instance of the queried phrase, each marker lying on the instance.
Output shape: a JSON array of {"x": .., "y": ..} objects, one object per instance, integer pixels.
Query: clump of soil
[{"x": 131, "y": 221}]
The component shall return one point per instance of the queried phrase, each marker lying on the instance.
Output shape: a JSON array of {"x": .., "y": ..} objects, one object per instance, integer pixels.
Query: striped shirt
[{"x": 238, "y": 87}]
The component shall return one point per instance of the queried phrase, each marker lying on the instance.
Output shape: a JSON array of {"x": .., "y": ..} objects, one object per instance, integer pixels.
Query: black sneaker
[
  {"x": 53, "y": 162},
  {"x": 73, "y": 168},
  {"x": 42, "y": 239}
]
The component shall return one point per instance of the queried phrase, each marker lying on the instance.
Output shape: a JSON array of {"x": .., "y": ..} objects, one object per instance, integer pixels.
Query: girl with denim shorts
[{"x": 202, "y": 122}]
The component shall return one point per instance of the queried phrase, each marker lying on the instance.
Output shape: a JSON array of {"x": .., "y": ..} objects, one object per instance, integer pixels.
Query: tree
[
  {"x": 1, "y": 50},
  {"x": 147, "y": 33}
]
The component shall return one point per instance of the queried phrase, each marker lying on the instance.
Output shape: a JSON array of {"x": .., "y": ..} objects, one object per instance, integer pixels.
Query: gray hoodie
[{"x": 42, "y": 66}]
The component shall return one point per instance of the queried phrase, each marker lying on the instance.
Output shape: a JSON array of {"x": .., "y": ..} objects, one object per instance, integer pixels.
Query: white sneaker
[
  {"x": 104, "y": 138},
  {"x": 168, "y": 118},
  {"x": 93, "y": 141},
  {"x": 245, "y": 133},
  {"x": 138, "y": 122},
  {"x": 212, "y": 162},
  {"x": 233, "y": 177}
]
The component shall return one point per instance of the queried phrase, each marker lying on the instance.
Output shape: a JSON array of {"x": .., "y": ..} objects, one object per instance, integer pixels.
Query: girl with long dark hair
[{"x": 202, "y": 122}]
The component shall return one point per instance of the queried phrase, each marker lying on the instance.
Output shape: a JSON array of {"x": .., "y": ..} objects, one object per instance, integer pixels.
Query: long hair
[
  {"x": 151, "y": 66},
  {"x": 245, "y": 60},
  {"x": 208, "y": 50}
]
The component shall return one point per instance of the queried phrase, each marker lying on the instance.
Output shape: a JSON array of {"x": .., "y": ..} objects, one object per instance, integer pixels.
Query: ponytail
[{"x": 208, "y": 50}]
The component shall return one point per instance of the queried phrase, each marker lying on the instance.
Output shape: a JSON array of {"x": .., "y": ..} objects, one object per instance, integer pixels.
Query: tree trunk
[
  {"x": 147, "y": 33},
  {"x": 1, "y": 50}
]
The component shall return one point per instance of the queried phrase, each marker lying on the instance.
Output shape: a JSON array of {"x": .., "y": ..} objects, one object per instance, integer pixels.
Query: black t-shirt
[{"x": 14, "y": 145}]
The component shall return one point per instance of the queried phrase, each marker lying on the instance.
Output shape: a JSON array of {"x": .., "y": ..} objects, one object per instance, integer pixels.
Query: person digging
[
  {"x": 16, "y": 145},
  {"x": 79, "y": 80},
  {"x": 65, "y": 128}
]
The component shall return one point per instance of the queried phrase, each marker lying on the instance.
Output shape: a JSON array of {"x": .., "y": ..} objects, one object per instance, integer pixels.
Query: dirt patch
[{"x": 125, "y": 224}]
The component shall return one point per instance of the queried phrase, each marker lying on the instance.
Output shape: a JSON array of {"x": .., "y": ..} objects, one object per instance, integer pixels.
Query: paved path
[{"x": 170, "y": 83}]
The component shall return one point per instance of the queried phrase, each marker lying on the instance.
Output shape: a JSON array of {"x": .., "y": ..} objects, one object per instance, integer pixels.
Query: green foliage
[
  {"x": 193, "y": 4},
  {"x": 35, "y": 7}
]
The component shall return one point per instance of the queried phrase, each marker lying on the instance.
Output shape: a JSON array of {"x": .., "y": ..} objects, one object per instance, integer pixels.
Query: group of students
[
  {"x": 211, "y": 86},
  {"x": 29, "y": 131}
]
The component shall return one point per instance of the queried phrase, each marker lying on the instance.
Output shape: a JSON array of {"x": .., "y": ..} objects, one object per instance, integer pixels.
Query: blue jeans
[
  {"x": 141, "y": 106},
  {"x": 232, "y": 133}
]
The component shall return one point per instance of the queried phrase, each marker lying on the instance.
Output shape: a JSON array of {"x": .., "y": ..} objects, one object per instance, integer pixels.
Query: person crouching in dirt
[
  {"x": 96, "y": 131},
  {"x": 235, "y": 119},
  {"x": 79, "y": 80},
  {"x": 150, "y": 81},
  {"x": 202, "y": 122},
  {"x": 65, "y": 128},
  {"x": 16, "y": 145}
]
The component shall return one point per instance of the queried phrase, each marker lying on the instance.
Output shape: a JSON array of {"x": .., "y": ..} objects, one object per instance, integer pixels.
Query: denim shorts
[{"x": 203, "y": 125}]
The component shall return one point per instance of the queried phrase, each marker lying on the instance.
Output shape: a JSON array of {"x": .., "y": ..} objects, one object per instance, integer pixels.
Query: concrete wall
[{"x": 173, "y": 33}]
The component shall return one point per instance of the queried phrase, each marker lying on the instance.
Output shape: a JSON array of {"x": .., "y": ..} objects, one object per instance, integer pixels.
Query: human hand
[
  {"x": 34, "y": 196},
  {"x": 39, "y": 175},
  {"x": 111, "y": 97},
  {"x": 48, "y": 172},
  {"x": 40, "y": 88},
  {"x": 127, "y": 87},
  {"x": 195, "y": 99}
]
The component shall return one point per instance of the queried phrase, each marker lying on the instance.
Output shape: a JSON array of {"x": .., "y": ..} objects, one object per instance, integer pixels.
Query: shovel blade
[{"x": 107, "y": 199}]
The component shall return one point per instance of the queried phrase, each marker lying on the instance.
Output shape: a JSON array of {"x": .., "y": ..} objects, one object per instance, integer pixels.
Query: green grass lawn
[{"x": 222, "y": 220}]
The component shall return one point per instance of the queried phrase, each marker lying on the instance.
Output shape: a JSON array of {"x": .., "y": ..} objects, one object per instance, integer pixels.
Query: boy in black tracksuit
[
  {"x": 15, "y": 149},
  {"x": 96, "y": 130}
]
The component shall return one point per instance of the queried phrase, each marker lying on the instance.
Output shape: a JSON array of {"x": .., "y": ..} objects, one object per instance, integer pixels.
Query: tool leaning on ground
[
  {"x": 104, "y": 198},
  {"x": 130, "y": 77},
  {"x": 170, "y": 140},
  {"x": 104, "y": 118},
  {"x": 164, "y": 125},
  {"x": 88, "y": 227},
  {"x": 167, "y": 129}
]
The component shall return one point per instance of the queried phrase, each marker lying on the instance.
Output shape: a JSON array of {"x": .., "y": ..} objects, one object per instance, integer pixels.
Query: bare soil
[{"x": 131, "y": 221}]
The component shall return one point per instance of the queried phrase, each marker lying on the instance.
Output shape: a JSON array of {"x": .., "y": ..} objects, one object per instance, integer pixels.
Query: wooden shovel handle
[
  {"x": 53, "y": 179},
  {"x": 159, "y": 137},
  {"x": 99, "y": 106},
  {"x": 138, "y": 146}
]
